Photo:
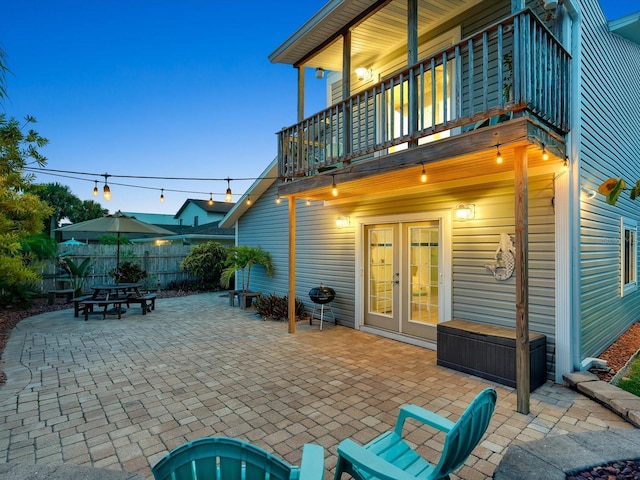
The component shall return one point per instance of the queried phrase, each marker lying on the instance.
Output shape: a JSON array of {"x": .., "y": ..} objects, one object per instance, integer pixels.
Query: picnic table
[{"x": 114, "y": 295}]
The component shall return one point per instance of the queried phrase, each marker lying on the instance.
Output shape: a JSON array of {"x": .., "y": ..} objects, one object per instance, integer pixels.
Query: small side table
[{"x": 242, "y": 297}]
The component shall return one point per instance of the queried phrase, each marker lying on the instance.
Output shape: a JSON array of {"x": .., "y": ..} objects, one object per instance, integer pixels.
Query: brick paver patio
[{"x": 118, "y": 394}]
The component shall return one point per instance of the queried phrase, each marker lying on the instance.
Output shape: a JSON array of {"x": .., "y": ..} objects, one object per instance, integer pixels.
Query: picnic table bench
[
  {"x": 79, "y": 306},
  {"x": 90, "y": 304},
  {"x": 147, "y": 301}
]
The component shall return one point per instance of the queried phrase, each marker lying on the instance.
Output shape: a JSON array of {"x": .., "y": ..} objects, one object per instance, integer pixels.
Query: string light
[
  {"x": 228, "y": 197},
  {"x": 498, "y": 154},
  {"x": 162, "y": 195},
  {"x": 545, "y": 155},
  {"x": 95, "y": 189},
  {"x": 308, "y": 202},
  {"x": 334, "y": 187},
  {"x": 106, "y": 191},
  {"x": 248, "y": 199},
  {"x": 210, "y": 199},
  {"x": 423, "y": 176},
  {"x": 278, "y": 199},
  {"x": 565, "y": 165}
]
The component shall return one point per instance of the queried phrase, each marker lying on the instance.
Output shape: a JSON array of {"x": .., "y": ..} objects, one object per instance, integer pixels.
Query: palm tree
[{"x": 241, "y": 257}]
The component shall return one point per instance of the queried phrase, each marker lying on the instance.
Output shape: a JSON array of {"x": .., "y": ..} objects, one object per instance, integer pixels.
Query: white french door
[{"x": 406, "y": 277}]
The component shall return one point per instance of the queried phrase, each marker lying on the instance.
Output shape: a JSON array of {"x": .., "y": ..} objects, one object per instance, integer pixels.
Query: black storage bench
[{"x": 489, "y": 352}]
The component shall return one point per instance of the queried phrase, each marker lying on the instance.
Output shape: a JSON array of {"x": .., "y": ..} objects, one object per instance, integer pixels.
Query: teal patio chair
[
  {"x": 222, "y": 458},
  {"x": 389, "y": 457}
]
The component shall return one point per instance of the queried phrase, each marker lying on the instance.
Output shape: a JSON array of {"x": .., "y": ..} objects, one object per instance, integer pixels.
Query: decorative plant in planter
[{"x": 242, "y": 258}]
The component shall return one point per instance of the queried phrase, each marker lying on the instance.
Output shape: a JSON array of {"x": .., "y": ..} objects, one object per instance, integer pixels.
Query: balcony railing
[{"x": 513, "y": 66}]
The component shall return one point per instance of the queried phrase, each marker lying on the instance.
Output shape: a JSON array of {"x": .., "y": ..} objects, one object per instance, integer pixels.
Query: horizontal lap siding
[
  {"x": 609, "y": 147},
  {"x": 324, "y": 253},
  {"x": 478, "y": 296}
]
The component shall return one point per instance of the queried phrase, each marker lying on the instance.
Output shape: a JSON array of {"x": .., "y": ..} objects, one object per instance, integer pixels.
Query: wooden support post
[
  {"x": 523, "y": 367},
  {"x": 300, "y": 92},
  {"x": 347, "y": 120},
  {"x": 292, "y": 264},
  {"x": 412, "y": 59}
]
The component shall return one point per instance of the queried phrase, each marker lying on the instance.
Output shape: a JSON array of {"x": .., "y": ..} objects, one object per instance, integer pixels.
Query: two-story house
[{"x": 453, "y": 174}]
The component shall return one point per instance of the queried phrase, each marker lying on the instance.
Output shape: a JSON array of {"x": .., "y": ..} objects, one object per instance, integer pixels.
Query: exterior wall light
[
  {"x": 364, "y": 74},
  {"x": 587, "y": 193},
  {"x": 465, "y": 211},
  {"x": 319, "y": 73},
  {"x": 343, "y": 222}
]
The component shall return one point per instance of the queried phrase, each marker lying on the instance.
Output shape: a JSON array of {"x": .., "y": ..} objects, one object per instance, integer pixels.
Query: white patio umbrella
[{"x": 117, "y": 223}]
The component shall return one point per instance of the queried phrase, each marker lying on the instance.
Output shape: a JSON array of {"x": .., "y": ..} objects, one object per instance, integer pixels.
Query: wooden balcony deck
[{"x": 505, "y": 85}]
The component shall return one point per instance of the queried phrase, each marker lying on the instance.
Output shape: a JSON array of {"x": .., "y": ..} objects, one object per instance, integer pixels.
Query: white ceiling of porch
[{"x": 384, "y": 31}]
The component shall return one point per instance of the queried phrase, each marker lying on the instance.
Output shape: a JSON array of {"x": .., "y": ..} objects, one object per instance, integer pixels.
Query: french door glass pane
[
  {"x": 423, "y": 250},
  {"x": 381, "y": 271}
]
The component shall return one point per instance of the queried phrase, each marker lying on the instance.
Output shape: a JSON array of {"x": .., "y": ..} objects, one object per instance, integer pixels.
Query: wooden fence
[{"x": 162, "y": 264}]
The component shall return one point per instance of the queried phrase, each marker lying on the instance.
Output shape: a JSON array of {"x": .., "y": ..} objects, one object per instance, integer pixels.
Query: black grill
[{"x": 322, "y": 295}]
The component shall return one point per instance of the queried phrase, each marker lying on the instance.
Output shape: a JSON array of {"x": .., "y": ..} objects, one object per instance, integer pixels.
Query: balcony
[{"x": 515, "y": 68}]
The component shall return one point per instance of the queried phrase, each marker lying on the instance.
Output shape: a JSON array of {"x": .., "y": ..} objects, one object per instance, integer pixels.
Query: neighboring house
[
  {"x": 195, "y": 222},
  {"x": 198, "y": 212},
  {"x": 515, "y": 114}
]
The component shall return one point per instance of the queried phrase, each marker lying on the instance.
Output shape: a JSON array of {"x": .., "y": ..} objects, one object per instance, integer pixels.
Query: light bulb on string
[
  {"x": 334, "y": 187},
  {"x": 106, "y": 191},
  {"x": 162, "y": 195},
  {"x": 423, "y": 175},
  {"x": 545, "y": 155},
  {"x": 95, "y": 189},
  {"x": 210, "y": 199},
  {"x": 228, "y": 196},
  {"x": 278, "y": 199},
  {"x": 248, "y": 199},
  {"x": 498, "y": 154}
]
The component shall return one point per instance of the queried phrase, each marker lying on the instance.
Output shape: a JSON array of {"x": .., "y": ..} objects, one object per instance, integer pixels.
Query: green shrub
[
  {"x": 128, "y": 272},
  {"x": 206, "y": 262},
  {"x": 184, "y": 285},
  {"x": 18, "y": 294},
  {"x": 275, "y": 307}
]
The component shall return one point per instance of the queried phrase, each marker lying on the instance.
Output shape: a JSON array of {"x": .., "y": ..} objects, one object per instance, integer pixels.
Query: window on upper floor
[{"x": 628, "y": 256}]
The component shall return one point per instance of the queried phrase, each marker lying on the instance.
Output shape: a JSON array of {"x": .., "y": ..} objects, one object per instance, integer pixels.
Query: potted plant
[{"x": 242, "y": 258}]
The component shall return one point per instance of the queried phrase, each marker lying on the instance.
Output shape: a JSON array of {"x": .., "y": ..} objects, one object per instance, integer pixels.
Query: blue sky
[{"x": 165, "y": 88}]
